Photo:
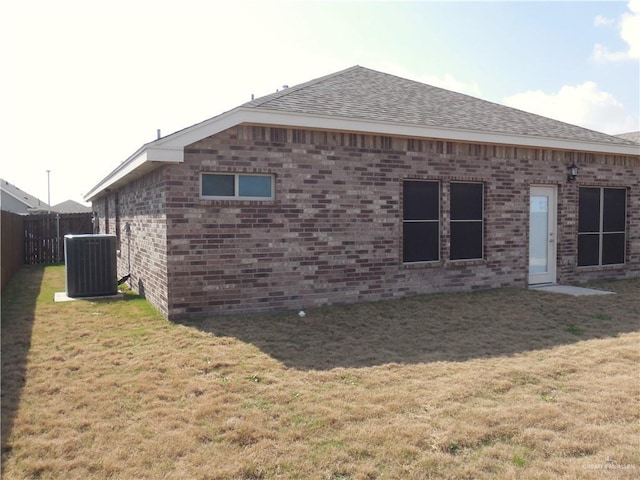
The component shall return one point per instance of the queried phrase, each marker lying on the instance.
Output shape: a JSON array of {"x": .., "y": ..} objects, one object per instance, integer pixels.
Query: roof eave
[
  {"x": 170, "y": 149},
  {"x": 145, "y": 160},
  {"x": 21, "y": 200},
  {"x": 298, "y": 120}
]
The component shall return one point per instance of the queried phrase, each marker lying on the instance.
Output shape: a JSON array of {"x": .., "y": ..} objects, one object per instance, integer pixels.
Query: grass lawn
[{"x": 496, "y": 384}]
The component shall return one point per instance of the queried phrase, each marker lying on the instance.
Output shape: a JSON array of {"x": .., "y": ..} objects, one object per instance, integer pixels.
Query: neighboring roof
[
  {"x": 70, "y": 206},
  {"x": 632, "y": 136},
  {"x": 21, "y": 197},
  {"x": 363, "y": 100},
  {"x": 27, "y": 203}
]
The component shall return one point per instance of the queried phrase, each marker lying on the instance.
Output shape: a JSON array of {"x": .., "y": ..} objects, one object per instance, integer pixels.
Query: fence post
[{"x": 57, "y": 237}]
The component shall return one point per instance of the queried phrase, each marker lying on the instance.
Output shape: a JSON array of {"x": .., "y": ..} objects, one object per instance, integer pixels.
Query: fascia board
[
  {"x": 168, "y": 149},
  {"x": 197, "y": 132},
  {"x": 124, "y": 169},
  {"x": 144, "y": 156},
  {"x": 119, "y": 172},
  {"x": 165, "y": 154}
]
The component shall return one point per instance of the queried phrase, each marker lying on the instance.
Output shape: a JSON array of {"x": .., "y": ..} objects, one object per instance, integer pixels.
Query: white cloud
[
  {"x": 629, "y": 28},
  {"x": 601, "y": 21},
  {"x": 601, "y": 54},
  {"x": 584, "y": 105}
]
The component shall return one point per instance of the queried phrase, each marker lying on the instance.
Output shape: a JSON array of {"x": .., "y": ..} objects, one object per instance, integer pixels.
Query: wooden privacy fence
[
  {"x": 12, "y": 240},
  {"x": 44, "y": 235}
]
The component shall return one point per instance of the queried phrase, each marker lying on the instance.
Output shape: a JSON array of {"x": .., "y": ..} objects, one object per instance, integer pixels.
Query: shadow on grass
[
  {"x": 452, "y": 327},
  {"x": 18, "y": 313}
]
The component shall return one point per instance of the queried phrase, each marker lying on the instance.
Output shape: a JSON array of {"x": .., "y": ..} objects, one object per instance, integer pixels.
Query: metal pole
[{"x": 49, "y": 190}]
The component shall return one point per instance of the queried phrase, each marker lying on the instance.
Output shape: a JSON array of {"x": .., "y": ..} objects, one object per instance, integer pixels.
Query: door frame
[{"x": 550, "y": 276}]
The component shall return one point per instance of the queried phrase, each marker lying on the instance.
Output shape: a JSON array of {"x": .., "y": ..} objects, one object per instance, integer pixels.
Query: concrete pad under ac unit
[{"x": 63, "y": 297}]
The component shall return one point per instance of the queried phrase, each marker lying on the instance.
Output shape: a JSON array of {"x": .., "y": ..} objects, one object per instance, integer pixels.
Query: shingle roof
[
  {"x": 633, "y": 136},
  {"x": 26, "y": 198},
  {"x": 361, "y": 93},
  {"x": 70, "y": 206},
  {"x": 364, "y": 100}
]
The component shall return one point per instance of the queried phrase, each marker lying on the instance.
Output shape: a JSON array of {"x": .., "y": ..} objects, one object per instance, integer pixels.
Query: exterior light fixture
[{"x": 573, "y": 172}]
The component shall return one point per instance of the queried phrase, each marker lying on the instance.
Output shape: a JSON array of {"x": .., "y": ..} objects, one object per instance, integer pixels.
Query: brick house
[{"x": 360, "y": 186}]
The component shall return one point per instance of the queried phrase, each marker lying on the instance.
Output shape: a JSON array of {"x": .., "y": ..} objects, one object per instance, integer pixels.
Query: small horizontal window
[{"x": 238, "y": 186}]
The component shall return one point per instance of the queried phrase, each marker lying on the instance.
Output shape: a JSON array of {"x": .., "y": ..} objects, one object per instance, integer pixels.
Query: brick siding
[
  {"x": 142, "y": 248},
  {"x": 333, "y": 233}
]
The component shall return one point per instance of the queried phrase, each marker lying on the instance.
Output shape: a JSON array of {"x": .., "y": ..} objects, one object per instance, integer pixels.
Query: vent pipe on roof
[
  {"x": 252, "y": 96},
  {"x": 159, "y": 134}
]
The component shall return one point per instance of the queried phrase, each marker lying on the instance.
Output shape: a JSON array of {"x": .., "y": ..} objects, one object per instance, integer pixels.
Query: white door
[{"x": 542, "y": 235}]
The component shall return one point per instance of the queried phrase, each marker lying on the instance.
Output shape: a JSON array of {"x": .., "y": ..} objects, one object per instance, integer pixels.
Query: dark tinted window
[
  {"x": 602, "y": 211},
  {"x": 420, "y": 241},
  {"x": 421, "y": 200},
  {"x": 613, "y": 248},
  {"x": 466, "y": 240},
  {"x": 466, "y": 201},
  {"x": 218, "y": 185},
  {"x": 466, "y": 225},
  {"x": 588, "y": 250},
  {"x": 613, "y": 219},
  {"x": 589, "y": 210},
  {"x": 421, "y": 227}
]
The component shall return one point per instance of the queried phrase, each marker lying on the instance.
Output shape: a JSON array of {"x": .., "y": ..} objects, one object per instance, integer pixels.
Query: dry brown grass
[{"x": 498, "y": 384}]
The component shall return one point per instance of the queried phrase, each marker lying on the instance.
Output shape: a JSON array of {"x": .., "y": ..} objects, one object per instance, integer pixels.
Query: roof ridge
[{"x": 280, "y": 93}]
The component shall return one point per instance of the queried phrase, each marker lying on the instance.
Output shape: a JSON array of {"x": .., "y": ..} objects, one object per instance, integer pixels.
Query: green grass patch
[
  {"x": 518, "y": 461},
  {"x": 572, "y": 328}
]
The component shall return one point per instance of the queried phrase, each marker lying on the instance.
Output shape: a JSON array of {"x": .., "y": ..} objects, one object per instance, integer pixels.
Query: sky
[{"x": 84, "y": 84}]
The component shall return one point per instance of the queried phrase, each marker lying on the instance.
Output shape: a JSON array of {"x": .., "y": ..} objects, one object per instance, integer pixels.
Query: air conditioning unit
[{"x": 90, "y": 262}]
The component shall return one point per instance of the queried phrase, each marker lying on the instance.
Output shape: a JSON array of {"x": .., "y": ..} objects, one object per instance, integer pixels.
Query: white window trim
[{"x": 236, "y": 186}]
